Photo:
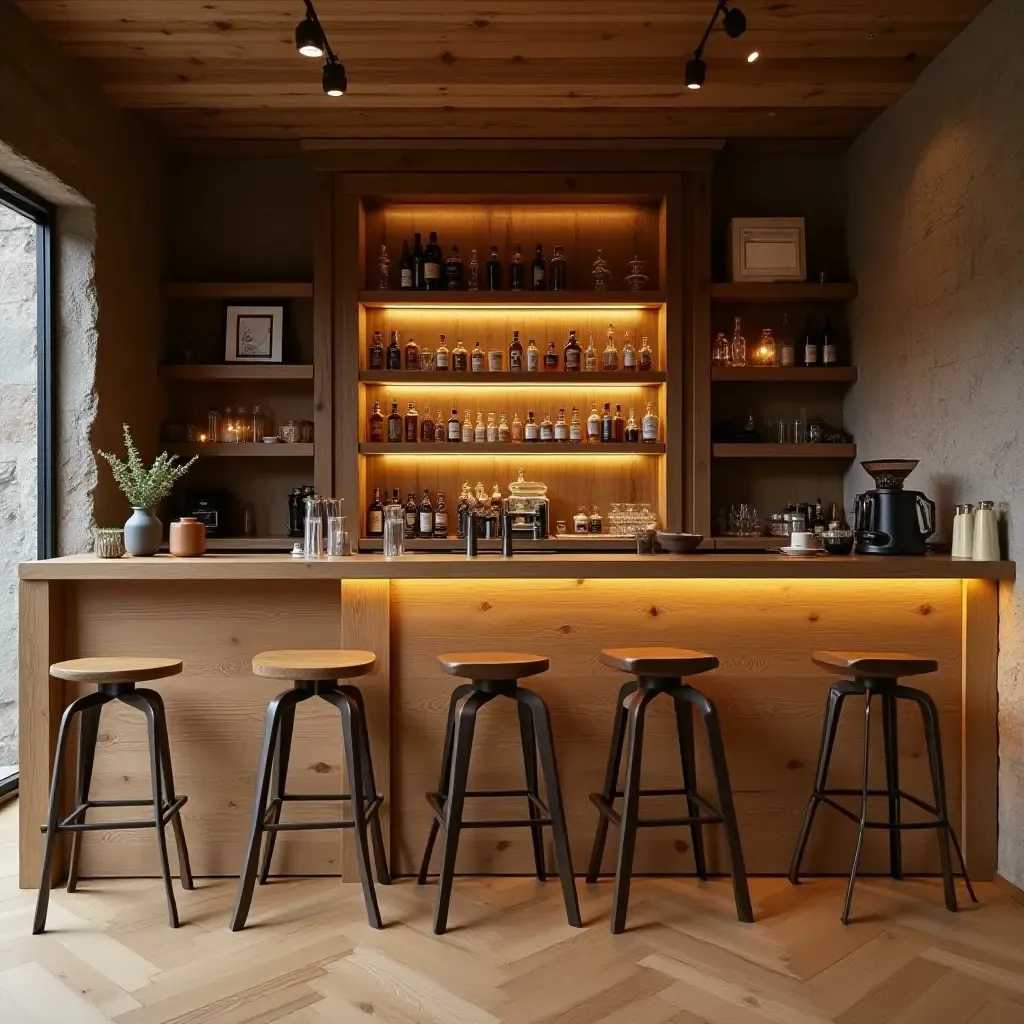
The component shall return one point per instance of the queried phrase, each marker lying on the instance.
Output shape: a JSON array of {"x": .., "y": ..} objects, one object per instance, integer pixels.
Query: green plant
[{"x": 145, "y": 488}]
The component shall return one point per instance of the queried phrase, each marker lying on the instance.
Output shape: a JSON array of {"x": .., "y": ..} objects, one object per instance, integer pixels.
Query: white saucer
[{"x": 802, "y": 552}]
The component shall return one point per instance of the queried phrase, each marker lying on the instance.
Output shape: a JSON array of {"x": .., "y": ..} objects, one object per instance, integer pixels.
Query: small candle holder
[{"x": 764, "y": 350}]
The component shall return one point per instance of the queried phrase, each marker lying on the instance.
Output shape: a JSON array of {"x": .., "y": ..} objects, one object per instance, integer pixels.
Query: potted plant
[{"x": 145, "y": 489}]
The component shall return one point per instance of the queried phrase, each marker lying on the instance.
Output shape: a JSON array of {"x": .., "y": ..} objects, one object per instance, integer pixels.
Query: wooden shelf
[
  {"x": 486, "y": 299},
  {"x": 783, "y": 291},
  {"x": 242, "y": 451},
  {"x": 557, "y": 378},
  {"x": 248, "y": 544},
  {"x": 238, "y": 289},
  {"x": 572, "y": 451},
  {"x": 780, "y": 374},
  {"x": 784, "y": 451},
  {"x": 212, "y": 373},
  {"x": 569, "y": 543}
]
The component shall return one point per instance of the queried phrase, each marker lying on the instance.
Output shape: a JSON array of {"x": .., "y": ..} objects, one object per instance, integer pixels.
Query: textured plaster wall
[{"x": 936, "y": 232}]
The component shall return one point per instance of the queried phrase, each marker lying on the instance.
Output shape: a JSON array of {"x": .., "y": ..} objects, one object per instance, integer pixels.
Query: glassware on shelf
[
  {"x": 764, "y": 350},
  {"x": 394, "y": 531},
  {"x": 636, "y": 279},
  {"x": 591, "y": 363},
  {"x": 800, "y": 428},
  {"x": 721, "y": 353},
  {"x": 557, "y": 270},
  {"x": 257, "y": 428},
  {"x": 384, "y": 269},
  {"x": 645, "y": 357},
  {"x": 600, "y": 273},
  {"x": 242, "y": 425},
  {"x": 741, "y": 520},
  {"x": 213, "y": 421},
  {"x": 337, "y": 537},
  {"x": 313, "y": 536},
  {"x": 629, "y": 359},
  {"x": 428, "y": 360},
  {"x": 517, "y": 269},
  {"x": 610, "y": 356},
  {"x": 473, "y": 284},
  {"x": 738, "y": 347}
]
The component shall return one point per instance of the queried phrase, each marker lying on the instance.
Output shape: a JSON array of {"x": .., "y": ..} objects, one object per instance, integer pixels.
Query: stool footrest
[
  {"x": 436, "y": 802},
  {"x": 74, "y": 821},
  {"x": 607, "y": 809},
  {"x": 270, "y": 825},
  {"x": 826, "y": 798}
]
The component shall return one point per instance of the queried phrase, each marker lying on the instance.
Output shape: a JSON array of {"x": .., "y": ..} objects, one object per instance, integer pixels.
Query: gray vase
[{"x": 143, "y": 533}]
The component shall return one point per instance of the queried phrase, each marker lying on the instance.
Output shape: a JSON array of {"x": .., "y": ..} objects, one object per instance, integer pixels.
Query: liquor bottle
[
  {"x": 376, "y": 425},
  {"x": 474, "y": 273},
  {"x": 516, "y": 430},
  {"x": 581, "y": 521},
  {"x": 590, "y": 360},
  {"x": 462, "y": 511},
  {"x": 394, "y": 425},
  {"x": 467, "y": 429},
  {"x": 561, "y": 428},
  {"x": 517, "y": 269},
  {"x": 376, "y": 353},
  {"x": 650, "y": 425},
  {"x": 492, "y": 428},
  {"x": 495, "y": 357},
  {"x": 412, "y": 355},
  {"x": 572, "y": 357},
  {"x": 632, "y": 430},
  {"x": 593, "y": 427},
  {"x": 819, "y": 518},
  {"x": 547, "y": 429},
  {"x": 787, "y": 350},
  {"x": 412, "y": 425},
  {"x": 515, "y": 354},
  {"x": 645, "y": 358},
  {"x": 738, "y": 346},
  {"x": 606, "y": 424},
  {"x": 433, "y": 272},
  {"x": 441, "y": 517},
  {"x": 375, "y": 516},
  {"x": 503, "y": 431},
  {"x": 557, "y": 271},
  {"x": 417, "y": 263},
  {"x": 454, "y": 433},
  {"x": 595, "y": 524},
  {"x": 532, "y": 357},
  {"x": 610, "y": 355},
  {"x": 618, "y": 426},
  {"x": 721, "y": 352},
  {"x": 531, "y": 430},
  {"x": 453, "y": 270},
  {"x": 394, "y": 353},
  {"x": 412, "y": 517},
  {"x": 575, "y": 428},
  {"x": 550, "y": 358},
  {"x": 441, "y": 356},
  {"x": 460, "y": 358},
  {"x": 494, "y": 271},
  {"x": 628, "y": 354},
  {"x": 810, "y": 345},
  {"x": 405, "y": 267},
  {"x": 427, "y": 425},
  {"x": 383, "y": 269},
  {"x": 480, "y": 430},
  {"x": 426, "y": 516},
  {"x": 540, "y": 271},
  {"x": 476, "y": 360},
  {"x": 394, "y": 496},
  {"x": 829, "y": 354}
]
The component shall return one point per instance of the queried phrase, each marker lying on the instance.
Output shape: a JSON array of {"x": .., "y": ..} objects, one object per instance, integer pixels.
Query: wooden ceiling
[{"x": 504, "y": 69}]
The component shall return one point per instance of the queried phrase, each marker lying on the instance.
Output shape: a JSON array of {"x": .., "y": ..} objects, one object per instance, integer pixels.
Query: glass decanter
[
  {"x": 600, "y": 273},
  {"x": 636, "y": 279}
]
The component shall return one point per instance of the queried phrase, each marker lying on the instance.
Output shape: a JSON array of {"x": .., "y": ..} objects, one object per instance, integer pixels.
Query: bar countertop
[{"x": 525, "y": 566}]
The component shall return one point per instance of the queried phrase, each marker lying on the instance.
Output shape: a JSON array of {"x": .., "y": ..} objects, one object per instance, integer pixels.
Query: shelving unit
[
  {"x": 512, "y": 451},
  {"x": 507, "y": 299},
  {"x": 556, "y": 378},
  {"x": 242, "y": 451}
]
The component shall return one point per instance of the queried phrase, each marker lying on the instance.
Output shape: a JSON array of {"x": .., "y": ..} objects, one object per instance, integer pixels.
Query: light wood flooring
[{"x": 309, "y": 957}]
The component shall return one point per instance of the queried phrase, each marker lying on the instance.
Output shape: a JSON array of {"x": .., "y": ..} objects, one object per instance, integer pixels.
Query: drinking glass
[
  {"x": 313, "y": 537},
  {"x": 394, "y": 531},
  {"x": 337, "y": 537}
]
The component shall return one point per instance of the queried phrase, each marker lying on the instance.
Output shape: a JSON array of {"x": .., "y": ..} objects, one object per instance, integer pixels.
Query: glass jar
[{"x": 581, "y": 521}]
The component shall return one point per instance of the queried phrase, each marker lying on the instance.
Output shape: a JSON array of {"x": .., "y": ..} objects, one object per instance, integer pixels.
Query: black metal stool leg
[
  {"x": 863, "y": 807},
  {"x": 529, "y": 740},
  {"x": 611, "y": 779},
  {"x": 688, "y": 757},
  {"x": 88, "y": 730},
  {"x": 890, "y": 740},
  {"x": 559, "y": 831},
  {"x": 278, "y": 785}
]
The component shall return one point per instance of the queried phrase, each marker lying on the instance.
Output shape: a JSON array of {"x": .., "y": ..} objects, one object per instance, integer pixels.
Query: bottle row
[
  {"x": 424, "y": 268},
  {"x": 236, "y": 426},
  {"x": 817, "y": 348},
  {"x": 528, "y": 359},
  {"x": 606, "y": 428}
]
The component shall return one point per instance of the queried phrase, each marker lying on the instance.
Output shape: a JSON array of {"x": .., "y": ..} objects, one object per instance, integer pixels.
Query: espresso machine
[
  {"x": 890, "y": 520},
  {"x": 528, "y": 507}
]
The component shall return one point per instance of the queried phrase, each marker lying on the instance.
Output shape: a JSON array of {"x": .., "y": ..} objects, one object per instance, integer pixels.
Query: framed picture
[{"x": 254, "y": 334}]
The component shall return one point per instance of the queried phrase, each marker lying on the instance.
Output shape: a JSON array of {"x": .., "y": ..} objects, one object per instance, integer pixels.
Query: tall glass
[
  {"x": 313, "y": 539},
  {"x": 394, "y": 531},
  {"x": 337, "y": 537}
]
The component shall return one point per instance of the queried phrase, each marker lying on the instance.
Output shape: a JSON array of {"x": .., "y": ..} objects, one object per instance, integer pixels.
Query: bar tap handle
[
  {"x": 471, "y": 520},
  {"x": 506, "y": 532}
]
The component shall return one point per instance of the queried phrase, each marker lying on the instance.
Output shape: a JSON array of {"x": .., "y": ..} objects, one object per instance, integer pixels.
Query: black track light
[
  {"x": 734, "y": 21},
  {"x": 696, "y": 70},
  {"x": 309, "y": 40},
  {"x": 334, "y": 80}
]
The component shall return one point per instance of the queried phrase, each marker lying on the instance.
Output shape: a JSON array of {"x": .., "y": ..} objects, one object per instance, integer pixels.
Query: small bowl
[
  {"x": 678, "y": 543},
  {"x": 271, "y": 440},
  {"x": 837, "y": 542}
]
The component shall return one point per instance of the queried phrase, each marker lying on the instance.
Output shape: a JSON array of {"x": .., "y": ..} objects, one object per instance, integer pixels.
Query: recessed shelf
[
  {"x": 214, "y": 372},
  {"x": 559, "y": 378},
  {"x": 779, "y": 374},
  {"x": 570, "y": 451},
  {"x": 238, "y": 289},
  {"x": 250, "y": 544},
  {"x": 242, "y": 451},
  {"x": 784, "y": 451},
  {"x": 569, "y": 543},
  {"x": 509, "y": 299},
  {"x": 783, "y": 291}
]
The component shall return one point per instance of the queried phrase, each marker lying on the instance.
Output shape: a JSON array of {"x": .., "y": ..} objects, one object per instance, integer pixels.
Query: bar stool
[
  {"x": 878, "y": 674},
  {"x": 114, "y": 679},
  {"x": 663, "y": 670},
  {"x": 314, "y": 674},
  {"x": 496, "y": 674}
]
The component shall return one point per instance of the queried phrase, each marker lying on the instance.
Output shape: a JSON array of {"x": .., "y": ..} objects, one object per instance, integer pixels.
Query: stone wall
[{"x": 936, "y": 230}]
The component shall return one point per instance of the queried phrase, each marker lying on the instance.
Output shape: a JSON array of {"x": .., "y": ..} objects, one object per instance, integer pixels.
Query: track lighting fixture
[
  {"x": 334, "y": 80},
  {"x": 734, "y": 22},
  {"x": 696, "y": 70},
  {"x": 308, "y": 38},
  {"x": 311, "y": 41}
]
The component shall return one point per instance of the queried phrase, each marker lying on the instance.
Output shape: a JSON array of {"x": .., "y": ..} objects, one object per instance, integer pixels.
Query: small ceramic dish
[
  {"x": 802, "y": 552},
  {"x": 271, "y": 440},
  {"x": 677, "y": 543}
]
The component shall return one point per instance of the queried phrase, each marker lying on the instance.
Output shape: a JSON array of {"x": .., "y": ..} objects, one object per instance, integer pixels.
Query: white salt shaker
[
  {"x": 963, "y": 532},
  {"x": 986, "y": 533}
]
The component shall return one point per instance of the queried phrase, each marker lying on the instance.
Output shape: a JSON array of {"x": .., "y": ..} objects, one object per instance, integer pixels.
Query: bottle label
[
  {"x": 530, "y": 431},
  {"x": 376, "y": 359},
  {"x": 591, "y": 363},
  {"x": 538, "y": 276},
  {"x": 593, "y": 429},
  {"x": 480, "y": 434},
  {"x": 453, "y": 431},
  {"x": 561, "y": 431},
  {"x": 581, "y": 524},
  {"x": 494, "y": 361},
  {"x": 650, "y": 428},
  {"x": 467, "y": 434},
  {"x": 441, "y": 361},
  {"x": 441, "y": 524},
  {"x": 492, "y": 433},
  {"x": 810, "y": 354},
  {"x": 572, "y": 358},
  {"x": 830, "y": 355},
  {"x": 426, "y": 522},
  {"x": 410, "y": 524},
  {"x": 376, "y": 523},
  {"x": 502, "y": 435},
  {"x": 394, "y": 433},
  {"x": 629, "y": 360},
  {"x": 432, "y": 271},
  {"x": 459, "y": 362},
  {"x": 478, "y": 362},
  {"x": 406, "y": 277},
  {"x": 575, "y": 432},
  {"x": 532, "y": 361},
  {"x": 787, "y": 356},
  {"x": 546, "y": 432}
]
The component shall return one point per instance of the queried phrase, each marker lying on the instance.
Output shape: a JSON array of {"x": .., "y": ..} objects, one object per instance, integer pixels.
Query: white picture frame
[
  {"x": 254, "y": 334},
  {"x": 767, "y": 249}
]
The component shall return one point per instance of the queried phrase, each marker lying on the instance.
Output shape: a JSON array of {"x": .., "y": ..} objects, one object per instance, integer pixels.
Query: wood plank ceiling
[{"x": 513, "y": 69}]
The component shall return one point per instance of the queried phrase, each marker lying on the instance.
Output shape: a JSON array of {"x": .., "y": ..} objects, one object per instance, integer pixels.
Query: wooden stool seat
[
  {"x": 97, "y": 671},
  {"x": 313, "y": 664},
  {"x": 676, "y": 662},
  {"x": 493, "y": 665},
  {"x": 876, "y": 664}
]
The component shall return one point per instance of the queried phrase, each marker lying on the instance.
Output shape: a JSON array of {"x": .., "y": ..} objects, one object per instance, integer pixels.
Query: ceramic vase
[{"x": 143, "y": 533}]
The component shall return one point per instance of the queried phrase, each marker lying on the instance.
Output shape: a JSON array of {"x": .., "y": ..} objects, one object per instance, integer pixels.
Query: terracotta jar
[{"x": 188, "y": 537}]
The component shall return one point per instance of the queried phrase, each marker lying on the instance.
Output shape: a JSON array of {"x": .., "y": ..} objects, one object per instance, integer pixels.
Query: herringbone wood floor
[{"x": 310, "y": 958}]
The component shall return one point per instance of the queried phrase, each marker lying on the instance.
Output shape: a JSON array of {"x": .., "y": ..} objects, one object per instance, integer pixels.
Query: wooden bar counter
[{"x": 762, "y": 615}]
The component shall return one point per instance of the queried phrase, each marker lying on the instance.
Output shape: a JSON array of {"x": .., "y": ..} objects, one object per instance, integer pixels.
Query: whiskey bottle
[
  {"x": 412, "y": 355},
  {"x": 376, "y": 425},
  {"x": 810, "y": 345},
  {"x": 474, "y": 272},
  {"x": 531, "y": 430},
  {"x": 441, "y": 356},
  {"x": 787, "y": 350},
  {"x": 532, "y": 357},
  {"x": 454, "y": 432},
  {"x": 515, "y": 354},
  {"x": 441, "y": 517},
  {"x": 433, "y": 273},
  {"x": 503, "y": 431},
  {"x": 557, "y": 271},
  {"x": 462, "y": 509},
  {"x": 632, "y": 430},
  {"x": 417, "y": 262},
  {"x": 606, "y": 424},
  {"x": 572, "y": 357},
  {"x": 516, "y": 430},
  {"x": 394, "y": 425},
  {"x": 738, "y": 346},
  {"x": 610, "y": 356},
  {"x": 405, "y": 267},
  {"x": 540, "y": 271},
  {"x": 550, "y": 358},
  {"x": 575, "y": 428},
  {"x": 492, "y": 428},
  {"x": 467, "y": 429},
  {"x": 480, "y": 430},
  {"x": 650, "y": 426},
  {"x": 561, "y": 428},
  {"x": 517, "y": 269},
  {"x": 595, "y": 523},
  {"x": 460, "y": 358},
  {"x": 427, "y": 425},
  {"x": 394, "y": 353},
  {"x": 618, "y": 426},
  {"x": 628, "y": 354},
  {"x": 375, "y": 357},
  {"x": 453, "y": 270},
  {"x": 412, "y": 425},
  {"x": 829, "y": 353},
  {"x": 494, "y": 271},
  {"x": 394, "y": 497},
  {"x": 412, "y": 517},
  {"x": 426, "y": 516},
  {"x": 590, "y": 360},
  {"x": 645, "y": 359},
  {"x": 476, "y": 361},
  {"x": 547, "y": 429},
  {"x": 375, "y": 516},
  {"x": 593, "y": 427}
]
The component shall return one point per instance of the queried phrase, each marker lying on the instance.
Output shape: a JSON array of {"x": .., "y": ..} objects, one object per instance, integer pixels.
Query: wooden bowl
[{"x": 678, "y": 543}]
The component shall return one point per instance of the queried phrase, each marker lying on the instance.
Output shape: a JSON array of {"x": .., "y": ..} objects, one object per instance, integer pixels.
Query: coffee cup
[{"x": 803, "y": 541}]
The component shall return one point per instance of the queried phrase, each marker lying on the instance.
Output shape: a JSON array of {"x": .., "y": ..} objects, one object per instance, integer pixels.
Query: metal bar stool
[
  {"x": 497, "y": 674},
  {"x": 115, "y": 679},
  {"x": 314, "y": 674},
  {"x": 878, "y": 674},
  {"x": 663, "y": 670}
]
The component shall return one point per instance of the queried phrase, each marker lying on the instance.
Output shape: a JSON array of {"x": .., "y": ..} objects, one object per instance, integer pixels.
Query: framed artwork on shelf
[{"x": 254, "y": 334}]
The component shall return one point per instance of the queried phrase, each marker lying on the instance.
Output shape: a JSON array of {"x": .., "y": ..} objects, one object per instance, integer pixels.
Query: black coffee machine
[{"x": 890, "y": 520}]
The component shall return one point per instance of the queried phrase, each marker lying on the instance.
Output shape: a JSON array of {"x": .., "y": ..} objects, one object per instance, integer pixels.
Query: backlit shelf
[
  {"x": 571, "y": 543},
  {"x": 784, "y": 451},
  {"x": 242, "y": 451},
  {"x": 460, "y": 450},
  {"x": 510, "y": 300},
  {"x": 784, "y": 374},
  {"x": 505, "y": 379}
]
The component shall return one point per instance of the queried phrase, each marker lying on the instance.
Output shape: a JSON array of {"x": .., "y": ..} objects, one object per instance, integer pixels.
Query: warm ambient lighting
[
  {"x": 524, "y": 380},
  {"x": 734, "y": 22},
  {"x": 466, "y": 309},
  {"x": 751, "y": 57}
]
